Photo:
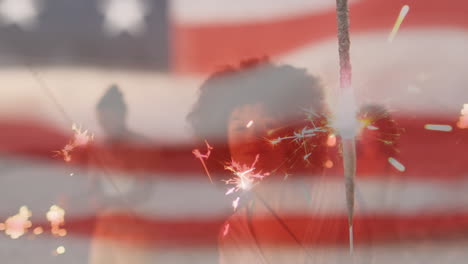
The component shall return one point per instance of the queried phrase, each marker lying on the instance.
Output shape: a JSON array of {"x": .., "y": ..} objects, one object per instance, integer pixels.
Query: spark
[
  {"x": 80, "y": 138},
  {"x": 328, "y": 164},
  {"x": 226, "y": 229},
  {"x": 235, "y": 203},
  {"x": 395, "y": 163},
  {"x": 244, "y": 178},
  {"x": 249, "y": 124},
  {"x": 300, "y": 136},
  {"x": 38, "y": 230},
  {"x": 463, "y": 121},
  {"x": 203, "y": 157},
  {"x": 370, "y": 127},
  {"x": 331, "y": 141},
  {"x": 60, "y": 250},
  {"x": 403, "y": 12},
  {"x": 56, "y": 217},
  {"x": 444, "y": 128},
  {"x": 17, "y": 225}
]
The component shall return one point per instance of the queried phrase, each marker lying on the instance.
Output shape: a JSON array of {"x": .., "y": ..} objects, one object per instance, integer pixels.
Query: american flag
[{"x": 59, "y": 56}]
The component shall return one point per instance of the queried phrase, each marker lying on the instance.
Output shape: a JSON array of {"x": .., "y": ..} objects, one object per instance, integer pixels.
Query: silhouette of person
[{"x": 120, "y": 235}]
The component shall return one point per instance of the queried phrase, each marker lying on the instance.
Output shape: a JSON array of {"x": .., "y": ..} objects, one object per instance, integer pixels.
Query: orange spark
[{"x": 203, "y": 157}]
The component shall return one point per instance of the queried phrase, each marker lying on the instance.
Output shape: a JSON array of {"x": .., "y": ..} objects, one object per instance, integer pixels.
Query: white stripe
[
  {"x": 430, "y": 252},
  {"x": 389, "y": 73},
  {"x": 241, "y": 11},
  {"x": 37, "y": 185}
]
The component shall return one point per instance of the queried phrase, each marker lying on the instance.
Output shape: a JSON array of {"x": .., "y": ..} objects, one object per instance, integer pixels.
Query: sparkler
[
  {"x": 403, "y": 12},
  {"x": 80, "y": 138},
  {"x": 244, "y": 178},
  {"x": 202, "y": 157},
  {"x": 346, "y": 122}
]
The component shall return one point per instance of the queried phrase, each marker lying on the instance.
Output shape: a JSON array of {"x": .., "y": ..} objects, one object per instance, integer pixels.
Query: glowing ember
[
  {"x": 38, "y": 230},
  {"x": 331, "y": 141},
  {"x": 404, "y": 11},
  {"x": 56, "y": 217},
  {"x": 60, "y": 250},
  {"x": 444, "y": 128},
  {"x": 463, "y": 121},
  {"x": 395, "y": 163},
  {"x": 249, "y": 124},
  {"x": 80, "y": 138},
  {"x": 328, "y": 164},
  {"x": 17, "y": 225},
  {"x": 203, "y": 157}
]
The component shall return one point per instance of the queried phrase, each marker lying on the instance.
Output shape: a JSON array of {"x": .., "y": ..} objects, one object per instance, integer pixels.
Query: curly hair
[{"x": 284, "y": 90}]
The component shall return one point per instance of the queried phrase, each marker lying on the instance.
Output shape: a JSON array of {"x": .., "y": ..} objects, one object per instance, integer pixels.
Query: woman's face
[{"x": 249, "y": 130}]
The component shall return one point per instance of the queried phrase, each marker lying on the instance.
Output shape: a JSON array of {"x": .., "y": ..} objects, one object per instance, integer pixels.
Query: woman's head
[
  {"x": 112, "y": 112},
  {"x": 245, "y": 107}
]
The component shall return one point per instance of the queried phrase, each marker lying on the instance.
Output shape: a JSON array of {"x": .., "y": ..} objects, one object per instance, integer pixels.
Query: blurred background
[{"x": 59, "y": 57}]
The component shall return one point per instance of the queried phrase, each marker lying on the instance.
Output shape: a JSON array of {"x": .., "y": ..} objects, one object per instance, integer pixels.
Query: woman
[
  {"x": 121, "y": 235},
  {"x": 270, "y": 121}
]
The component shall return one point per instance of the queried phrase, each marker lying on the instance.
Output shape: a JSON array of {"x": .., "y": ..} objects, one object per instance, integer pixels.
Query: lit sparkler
[
  {"x": 403, "y": 12},
  {"x": 80, "y": 138},
  {"x": 17, "y": 225},
  {"x": 203, "y": 157},
  {"x": 244, "y": 178}
]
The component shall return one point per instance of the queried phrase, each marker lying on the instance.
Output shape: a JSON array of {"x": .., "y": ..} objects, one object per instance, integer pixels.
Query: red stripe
[
  {"x": 331, "y": 230},
  {"x": 203, "y": 48},
  {"x": 425, "y": 153}
]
